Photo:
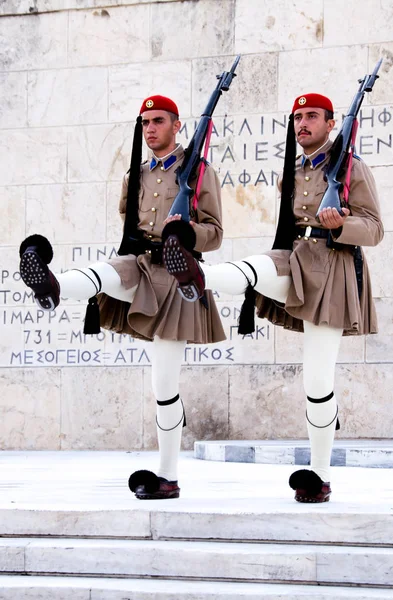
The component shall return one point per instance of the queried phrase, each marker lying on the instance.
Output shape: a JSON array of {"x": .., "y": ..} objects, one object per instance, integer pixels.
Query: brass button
[
  {"x": 304, "y": 207},
  {"x": 151, "y": 223},
  {"x": 314, "y": 240},
  {"x": 299, "y": 237},
  {"x": 305, "y": 219},
  {"x": 155, "y": 194},
  {"x": 153, "y": 209},
  {"x": 150, "y": 237},
  {"x": 305, "y": 238},
  {"x": 159, "y": 180},
  {"x": 305, "y": 193},
  {"x": 148, "y": 251},
  {"x": 307, "y": 178},
  {"x": 162, "y": 168}
]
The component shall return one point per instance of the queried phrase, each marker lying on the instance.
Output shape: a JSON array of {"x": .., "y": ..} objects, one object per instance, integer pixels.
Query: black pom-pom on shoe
[
  {"x": 147, "y": 479},
  {"x": 309, "y": 487},
  {"x": 39, "y": 244},
  {"x": 35, "y": 254},
  {"x": 306, "y": 480},
  {"x": 147, "y": 486},
  {"x": 184, "y": 232}
]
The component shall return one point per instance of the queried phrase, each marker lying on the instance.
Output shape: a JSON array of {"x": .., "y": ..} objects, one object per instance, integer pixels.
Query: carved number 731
[{"x": 36, "y": 336}]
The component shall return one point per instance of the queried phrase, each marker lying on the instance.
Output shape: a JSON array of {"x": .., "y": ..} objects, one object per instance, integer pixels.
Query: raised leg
[
  {"x": 258, "y": 270},
  {"x": 79, "y": 284},
  {"x": 82, "y": 284}
]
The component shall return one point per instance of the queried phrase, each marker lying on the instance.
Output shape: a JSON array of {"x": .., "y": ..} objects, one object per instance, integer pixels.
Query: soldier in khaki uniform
[
  {"x": 308, "y": 282},
  {"x": 136, "y": 295}
]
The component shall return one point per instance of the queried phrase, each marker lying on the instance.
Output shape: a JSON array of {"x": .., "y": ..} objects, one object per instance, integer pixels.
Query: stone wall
[{"x": 72, "y": 76}]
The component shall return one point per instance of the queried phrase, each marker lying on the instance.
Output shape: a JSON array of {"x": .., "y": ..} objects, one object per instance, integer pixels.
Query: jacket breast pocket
[
  {"x": 171, "y": 193},
  {"x": 318, "y": 194},
  {"x": 144, "y": 205}
]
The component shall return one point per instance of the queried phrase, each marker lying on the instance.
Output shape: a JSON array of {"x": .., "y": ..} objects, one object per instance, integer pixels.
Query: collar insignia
[
  {"x": 166, "y": 164},
  {"x": 316, "y": 160}
]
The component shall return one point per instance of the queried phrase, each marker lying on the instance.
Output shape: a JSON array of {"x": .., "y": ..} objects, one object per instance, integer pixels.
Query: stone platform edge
[{"x": 354, "y": 453}]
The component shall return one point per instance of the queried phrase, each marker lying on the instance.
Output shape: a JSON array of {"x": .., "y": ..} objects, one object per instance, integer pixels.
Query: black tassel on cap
[
  {"x": 132, "y": 209},
  {"x": 92, "y": 318},
  {"x": 246, "y": 324},
  {"x": 285, "y": 233}
]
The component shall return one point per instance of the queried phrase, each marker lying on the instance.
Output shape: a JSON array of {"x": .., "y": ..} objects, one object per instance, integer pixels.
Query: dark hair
[
  {"x": 328, "y": 115},
  {"x": 173, "y": 116}
]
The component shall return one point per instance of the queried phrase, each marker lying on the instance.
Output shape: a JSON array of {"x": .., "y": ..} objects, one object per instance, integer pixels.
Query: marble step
[
  {"x": 315, "y": 564},
  {"x": 89, "y": 588},
  {"x": 346, "y": 453},
  {"x": 256, "y": 519}
]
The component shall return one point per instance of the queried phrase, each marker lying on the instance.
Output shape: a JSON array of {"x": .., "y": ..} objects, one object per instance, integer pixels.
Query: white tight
[
  {"x": 82, "y": 284},
  {"x": 232, "y": 279},
  {"x": 320, "y": 349},
  {"x": 321, "y": 346},
  {"x": 166, "y": 364}
]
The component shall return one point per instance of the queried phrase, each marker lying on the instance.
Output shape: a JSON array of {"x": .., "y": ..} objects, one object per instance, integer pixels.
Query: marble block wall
[{"x": 73, "y": 74}]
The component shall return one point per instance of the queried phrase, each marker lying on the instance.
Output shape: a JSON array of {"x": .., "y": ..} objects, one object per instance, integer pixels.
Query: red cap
[
  {"x": 314, "y": 101},
  {"x": 159, "y": 103}
]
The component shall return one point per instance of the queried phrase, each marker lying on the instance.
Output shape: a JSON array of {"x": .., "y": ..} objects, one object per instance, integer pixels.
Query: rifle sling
[{"x": 357, "y": 251}]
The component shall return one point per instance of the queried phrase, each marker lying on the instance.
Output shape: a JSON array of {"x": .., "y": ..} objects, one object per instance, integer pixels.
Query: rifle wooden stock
[
  {"x": 181, "y": 204},
  {"x": 331, "y": 196}
]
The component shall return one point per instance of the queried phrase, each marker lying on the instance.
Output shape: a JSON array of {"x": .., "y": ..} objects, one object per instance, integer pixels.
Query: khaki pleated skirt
[
  {"x": 323, "y": 291},
  {"x": 157, "y": 308}
]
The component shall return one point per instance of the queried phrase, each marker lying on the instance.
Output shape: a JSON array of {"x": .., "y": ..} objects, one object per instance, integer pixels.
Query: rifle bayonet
[
  {"x": 228, "y": 76},
  {"x": 371, "y": 78}
]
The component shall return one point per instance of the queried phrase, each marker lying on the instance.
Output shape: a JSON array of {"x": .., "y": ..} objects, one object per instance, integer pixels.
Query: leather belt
[
  {"x": 142, "y": 245},
  {"x": 155, "y": 251},
  {"x": 311, "y": 232}
]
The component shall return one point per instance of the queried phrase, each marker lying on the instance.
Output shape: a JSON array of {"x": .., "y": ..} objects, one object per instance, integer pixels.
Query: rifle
[
  {"x": 343, "y": 147},
  {"x": 192, "y": 154}
]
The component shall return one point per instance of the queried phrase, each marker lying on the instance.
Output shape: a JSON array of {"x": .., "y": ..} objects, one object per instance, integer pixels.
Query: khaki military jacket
[
  {"x": 324, "y": 288},
  {"x": 157, "y": 308}
]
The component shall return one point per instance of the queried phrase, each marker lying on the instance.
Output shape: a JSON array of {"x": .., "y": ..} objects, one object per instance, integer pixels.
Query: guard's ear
[{"x": 331, "y": 124}]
